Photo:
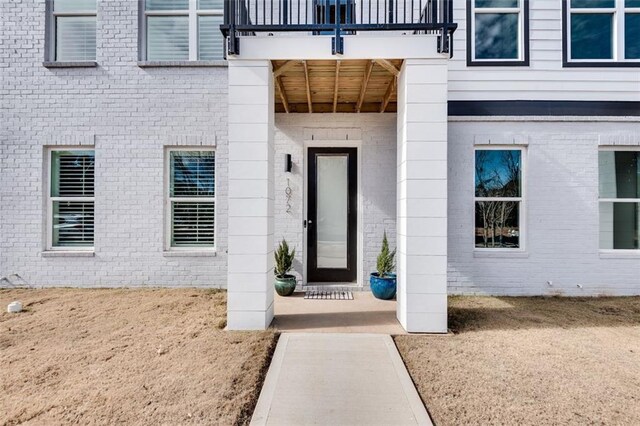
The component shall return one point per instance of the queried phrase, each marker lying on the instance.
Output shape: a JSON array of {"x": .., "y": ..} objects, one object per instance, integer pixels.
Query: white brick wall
[
  {"x": 562, "y": 230},
  {"x": 130, "y": 114},
  {"x": 562, "y": 211},
  {"x": 378, "y": 171}
]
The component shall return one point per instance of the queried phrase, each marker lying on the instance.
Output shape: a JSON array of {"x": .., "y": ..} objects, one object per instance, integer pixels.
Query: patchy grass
[
  {"x": 127, "y": 356},
  {"x": 531, "y": 361}
]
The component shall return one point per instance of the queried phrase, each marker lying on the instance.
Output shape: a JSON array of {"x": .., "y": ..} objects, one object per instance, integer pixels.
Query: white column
[
  {"x": 422, "y": 196},
  {"x": 251, "y": 195}
]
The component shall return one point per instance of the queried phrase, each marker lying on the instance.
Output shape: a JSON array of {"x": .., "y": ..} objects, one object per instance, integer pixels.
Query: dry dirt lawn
[
  {"x": 127, "y": 356},
  {"x": 531, "y": 361}
]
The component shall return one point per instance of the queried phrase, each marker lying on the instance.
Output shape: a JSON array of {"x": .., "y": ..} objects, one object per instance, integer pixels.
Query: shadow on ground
[{"x": 515, "y": 313}]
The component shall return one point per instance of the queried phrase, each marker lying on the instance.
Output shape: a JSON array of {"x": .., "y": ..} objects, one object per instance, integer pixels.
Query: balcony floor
[{"x": 325, "y": 86}]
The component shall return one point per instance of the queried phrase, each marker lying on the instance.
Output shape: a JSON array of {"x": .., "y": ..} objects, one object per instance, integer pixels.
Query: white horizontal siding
[{"x": 545, "y": 78}]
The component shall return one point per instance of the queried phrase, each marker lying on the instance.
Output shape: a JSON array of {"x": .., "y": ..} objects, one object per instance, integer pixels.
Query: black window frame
[
  {"x": 524, "y": 62},
  {"x": 568, "y": 63}
]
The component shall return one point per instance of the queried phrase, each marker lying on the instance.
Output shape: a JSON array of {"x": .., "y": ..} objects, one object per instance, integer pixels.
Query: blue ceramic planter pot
[{"x": 383, "y": 288}]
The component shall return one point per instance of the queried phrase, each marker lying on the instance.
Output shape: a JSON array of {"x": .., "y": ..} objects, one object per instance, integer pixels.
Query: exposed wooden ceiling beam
[
  {"x": 327, "y": 107},
  {"x": 283, "y": 94},
  {"x": 388, "y": 66},
  {"x": 335, "y": 87},
  {"x": 284, "y": 68},
  {"x": 387, "y": 96},
  {"x": 365, "y": 83},
  {"x": 306, "y": 80}
]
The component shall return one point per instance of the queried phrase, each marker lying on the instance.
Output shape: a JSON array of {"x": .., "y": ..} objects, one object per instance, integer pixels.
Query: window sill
[
  {"x": 70, "y": 64},
  {"x": 498, "y": 63},
  {"x": 68, "y": 253},
  {"x": 622, "y": 254},
  {"x": 597, "y": 64},
  {"x": 159, "y": 64},
  {"x": 500, "y": 254},
  {"x": 189, "y": 253}
]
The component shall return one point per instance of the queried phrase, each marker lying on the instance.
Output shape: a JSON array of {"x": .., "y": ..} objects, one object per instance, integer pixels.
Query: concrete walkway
[{"x": 338, "y": 379}]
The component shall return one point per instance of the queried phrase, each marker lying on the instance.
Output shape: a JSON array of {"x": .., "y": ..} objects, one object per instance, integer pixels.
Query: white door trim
[{"x": 360, "y": 235}]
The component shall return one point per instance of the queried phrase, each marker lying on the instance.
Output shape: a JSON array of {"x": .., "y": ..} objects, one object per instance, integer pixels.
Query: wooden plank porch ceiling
[{"x": 336, "y": 86}]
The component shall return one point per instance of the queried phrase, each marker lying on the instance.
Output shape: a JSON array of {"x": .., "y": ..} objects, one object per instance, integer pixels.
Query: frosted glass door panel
[{"x": 332, "y": 207}]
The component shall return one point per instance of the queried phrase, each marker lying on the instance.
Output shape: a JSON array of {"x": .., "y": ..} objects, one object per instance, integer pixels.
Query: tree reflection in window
[{"x": 498, "y": 196}]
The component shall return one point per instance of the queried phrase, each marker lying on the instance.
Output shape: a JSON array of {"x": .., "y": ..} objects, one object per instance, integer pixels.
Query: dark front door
[{"x": 332, "y": 215}]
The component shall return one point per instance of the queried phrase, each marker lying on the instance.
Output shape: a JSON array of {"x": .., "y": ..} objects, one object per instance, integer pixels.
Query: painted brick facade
[
  {"x": 130, "y": 114},
  {"x": 562, "y": 219}
]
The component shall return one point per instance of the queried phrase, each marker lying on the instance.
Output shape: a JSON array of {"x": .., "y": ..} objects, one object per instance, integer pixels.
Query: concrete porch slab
[
  {"x": 338, "y": 379},
  {"x": 363, "y": 314}
]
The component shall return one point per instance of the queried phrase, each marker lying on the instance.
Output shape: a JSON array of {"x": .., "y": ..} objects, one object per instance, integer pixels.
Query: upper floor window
[
  {"x": 602, "y": 31},
  {"x": 71, "y": 199},
  {"x": 498, "y": 32},
  {"x": 499, "y": 198},
  {"x": 183, "y": 30},
  {"x": 619, "y": 182},
  {"x": 72, "y": 30}
]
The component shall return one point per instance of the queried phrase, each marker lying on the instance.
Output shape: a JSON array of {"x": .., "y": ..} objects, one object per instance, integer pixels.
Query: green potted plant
[
  {"x": 383, "y": 282},
  {"x": 285, "y": 284}
]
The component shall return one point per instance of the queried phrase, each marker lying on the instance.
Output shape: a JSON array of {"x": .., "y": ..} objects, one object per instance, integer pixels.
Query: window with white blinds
[
  {"x": 73, "y": 30},
  {"x": 183, "y": 30},
  {"x": 71, "y": 199},
  {"x": 191, "y": 198}
]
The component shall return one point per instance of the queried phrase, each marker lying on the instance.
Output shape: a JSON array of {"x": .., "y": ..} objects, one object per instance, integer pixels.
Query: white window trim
[
  {"x": 521, "y": 199},
  {"x": 618, "y": 12},
  {"x": 50, "y": 200},
  {"x": 51, "y": 34},
  {"x": 623, "y": 252},
  {"x": 187, "y": 250},
  {"x": 193, "y": 13},
  {"x": 521, "y": 36}
]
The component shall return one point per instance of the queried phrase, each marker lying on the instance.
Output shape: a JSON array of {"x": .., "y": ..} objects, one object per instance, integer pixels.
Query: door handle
[{"x": 306, "y": 222}]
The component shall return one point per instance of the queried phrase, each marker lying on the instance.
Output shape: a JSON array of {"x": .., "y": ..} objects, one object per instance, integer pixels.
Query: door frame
[{"x": 360, "y": 236}]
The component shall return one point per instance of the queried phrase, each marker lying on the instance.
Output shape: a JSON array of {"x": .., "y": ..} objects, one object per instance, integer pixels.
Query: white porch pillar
[
  {"x": 251, "y": 195},
  {"x": 422, "y": 195}
]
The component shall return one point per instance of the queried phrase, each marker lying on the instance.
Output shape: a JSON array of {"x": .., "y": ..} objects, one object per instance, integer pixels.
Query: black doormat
[{"x": 328, "y": 294}]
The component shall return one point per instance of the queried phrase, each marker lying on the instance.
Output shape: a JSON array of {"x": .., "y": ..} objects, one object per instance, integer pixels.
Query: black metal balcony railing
[{"x": 248, "y": 17}]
